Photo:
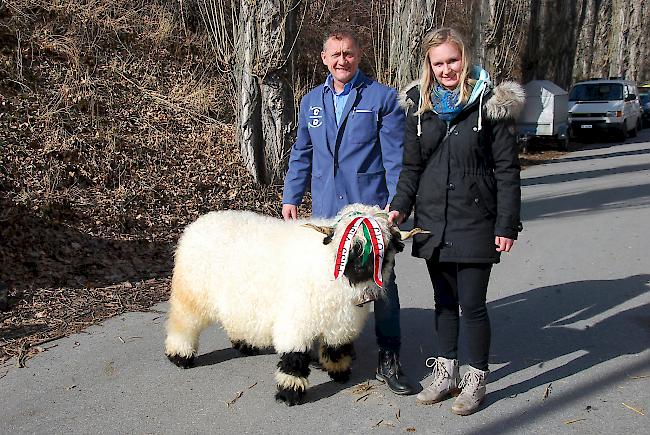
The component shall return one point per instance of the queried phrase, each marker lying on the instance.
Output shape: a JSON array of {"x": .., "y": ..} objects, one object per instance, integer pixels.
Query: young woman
[{"x": 461, "y": 175}]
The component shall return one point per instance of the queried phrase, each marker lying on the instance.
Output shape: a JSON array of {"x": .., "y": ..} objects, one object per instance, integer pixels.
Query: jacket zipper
[{"x": 450, "y": 130}]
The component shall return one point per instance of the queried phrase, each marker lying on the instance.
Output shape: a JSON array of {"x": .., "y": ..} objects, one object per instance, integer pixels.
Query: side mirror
[{"x": 631, "y": 97}]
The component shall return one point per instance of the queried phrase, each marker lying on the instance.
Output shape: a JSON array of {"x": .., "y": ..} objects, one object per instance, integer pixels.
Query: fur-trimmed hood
[{"x": 504, "y": 101}]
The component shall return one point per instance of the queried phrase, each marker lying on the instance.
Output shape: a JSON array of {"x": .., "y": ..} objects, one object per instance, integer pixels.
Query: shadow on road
[
  {"x": 222, "y": 355},
  {"x": 575, "y": 176},
  {"x": 530, "y": 331},
  {"x": 589, "y": 202},
  {"x": 585, "y": 317},
  {"x": 604, "y": 146},
  {"x": 512, "y": 423},
  {"x": 584, "y": 320}
]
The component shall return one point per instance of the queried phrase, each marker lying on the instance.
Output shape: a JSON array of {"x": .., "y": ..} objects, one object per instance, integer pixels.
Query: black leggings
[{"x": 463, "y": 284}]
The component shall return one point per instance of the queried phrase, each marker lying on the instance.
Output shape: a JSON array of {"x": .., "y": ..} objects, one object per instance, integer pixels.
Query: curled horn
[
  {"x": 408, "y": 234},
  {"x": 328, "y": 231}
]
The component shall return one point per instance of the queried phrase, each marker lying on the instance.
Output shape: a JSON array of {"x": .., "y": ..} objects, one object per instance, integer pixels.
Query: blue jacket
[{"x": 357, "y": 161}]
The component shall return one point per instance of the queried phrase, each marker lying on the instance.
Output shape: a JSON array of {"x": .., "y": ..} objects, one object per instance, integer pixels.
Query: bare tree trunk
[
  {"x": 253, "y": 40},
  {"x": 247, "y": 90},
  {"x": 551, "y": 41},
  {"x": 612, "y": 40},
  {"x": 630, "y": 19},
  {"x": 412, "y": 19},
  {"x": 481, "y": 20},
  {"x": 278, "y": 33},
  {"x": 502, "y": 35},
  {"x": 263, "y": 76}
]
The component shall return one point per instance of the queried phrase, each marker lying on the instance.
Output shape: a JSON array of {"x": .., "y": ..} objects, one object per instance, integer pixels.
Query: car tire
[{"x": 622, "y": 135}]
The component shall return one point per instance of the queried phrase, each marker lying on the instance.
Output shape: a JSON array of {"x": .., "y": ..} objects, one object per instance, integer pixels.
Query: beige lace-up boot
[
  {"x": 473, "y": 392},
  {"x": 445, "y": 381}
]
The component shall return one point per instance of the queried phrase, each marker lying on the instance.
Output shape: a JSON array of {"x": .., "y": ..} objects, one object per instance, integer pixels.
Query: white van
[{"x": 604, "y": 105}]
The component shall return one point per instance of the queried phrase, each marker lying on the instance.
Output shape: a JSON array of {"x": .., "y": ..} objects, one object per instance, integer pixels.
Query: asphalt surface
[{"x": 570, "y": 312}]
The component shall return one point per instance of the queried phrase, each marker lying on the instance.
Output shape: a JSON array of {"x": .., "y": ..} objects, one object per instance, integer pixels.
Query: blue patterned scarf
[{"x": 444, "y": 102}]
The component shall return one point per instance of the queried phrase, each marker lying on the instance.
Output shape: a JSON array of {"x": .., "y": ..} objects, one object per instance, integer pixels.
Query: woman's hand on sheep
[
  {"x": 289, "y": 212},
  {"x": 395, "y": 217}
]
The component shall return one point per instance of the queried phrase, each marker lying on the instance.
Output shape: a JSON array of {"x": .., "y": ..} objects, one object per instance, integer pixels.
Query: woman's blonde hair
[{"x": 436, "y": 38}]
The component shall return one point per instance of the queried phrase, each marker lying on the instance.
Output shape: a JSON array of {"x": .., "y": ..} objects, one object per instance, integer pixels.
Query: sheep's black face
[
  {"x": 360, "y": 270},
  {"x": 355, "y": 271},
  {"x": 396, "y": 243}
]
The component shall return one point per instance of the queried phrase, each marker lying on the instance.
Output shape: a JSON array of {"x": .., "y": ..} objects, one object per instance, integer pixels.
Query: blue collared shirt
[{"x": 341, "y": 98}]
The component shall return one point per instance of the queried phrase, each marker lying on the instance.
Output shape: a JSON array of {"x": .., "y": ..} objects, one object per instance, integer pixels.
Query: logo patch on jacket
[{"x": 315, "y": 116}]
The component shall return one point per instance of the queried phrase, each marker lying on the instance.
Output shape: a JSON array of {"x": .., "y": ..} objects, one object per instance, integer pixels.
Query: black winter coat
[{"x": 462, "y": 182}]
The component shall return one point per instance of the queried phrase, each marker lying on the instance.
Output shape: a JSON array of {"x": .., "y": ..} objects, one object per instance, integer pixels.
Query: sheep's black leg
[
  {"x": 293, "y": 370},
  {"x": 183, "y": 330},
  {"x": 245, "y": 348},
  {"x": 184, "y": 362},
  {"x": 336, "y": 361}
]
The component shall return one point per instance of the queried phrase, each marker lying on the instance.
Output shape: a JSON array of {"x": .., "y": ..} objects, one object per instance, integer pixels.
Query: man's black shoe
[{"x": 389, "y": 371}]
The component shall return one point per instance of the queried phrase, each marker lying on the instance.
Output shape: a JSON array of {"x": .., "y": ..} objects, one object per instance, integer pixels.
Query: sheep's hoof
[
  {"x": 182, "y": 361},
  {"x": 245, "y": 348},
  {"x": 341, "y": 377},
  {"x": 290, "y": 397}
]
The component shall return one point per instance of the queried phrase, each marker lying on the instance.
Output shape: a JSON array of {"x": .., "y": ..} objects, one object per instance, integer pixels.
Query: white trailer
[{"x": 545, "y": 115}]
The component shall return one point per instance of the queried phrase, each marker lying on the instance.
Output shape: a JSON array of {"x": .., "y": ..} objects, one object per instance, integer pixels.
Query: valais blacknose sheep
[{"x": 272, "y": 283}]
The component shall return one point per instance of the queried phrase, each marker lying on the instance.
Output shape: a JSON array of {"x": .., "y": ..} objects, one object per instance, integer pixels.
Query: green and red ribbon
[{"x": 374, "y": 240}]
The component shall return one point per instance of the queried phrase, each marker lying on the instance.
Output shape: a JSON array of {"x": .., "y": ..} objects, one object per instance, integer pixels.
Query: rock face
[{"x": 575, "y": 40}]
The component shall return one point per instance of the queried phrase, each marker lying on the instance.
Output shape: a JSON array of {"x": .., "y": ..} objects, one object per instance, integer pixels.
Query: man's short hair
[{"x": 341, "y": 34}]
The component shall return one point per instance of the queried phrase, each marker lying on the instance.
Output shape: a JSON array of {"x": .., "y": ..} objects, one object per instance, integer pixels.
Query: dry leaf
[
  {"x": 640, "y": 377},
  {"x": 362, "y": 388},
  {"x": 547, "y": 392},
  {"x": 383, "y": 422},
  {"x": 574, "y": 421},
  {"x": 234, "y": 399},
  {"x": 364, "y": 397}
]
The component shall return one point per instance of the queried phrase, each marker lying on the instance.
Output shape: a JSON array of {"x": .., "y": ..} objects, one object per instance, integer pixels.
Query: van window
[{"x": 596, "y": 92}]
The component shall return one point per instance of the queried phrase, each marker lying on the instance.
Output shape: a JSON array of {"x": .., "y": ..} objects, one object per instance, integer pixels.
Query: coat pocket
[
  {"x": 372, "y": 188},
  {"x": 362, "y": 125},
  {"x": 483, "y": 199}
]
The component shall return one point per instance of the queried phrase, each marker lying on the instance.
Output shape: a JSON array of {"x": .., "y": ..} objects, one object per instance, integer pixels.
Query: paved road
[{"x": 570, "y": 312}]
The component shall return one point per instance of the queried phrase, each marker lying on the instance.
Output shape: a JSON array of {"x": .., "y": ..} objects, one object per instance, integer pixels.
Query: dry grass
[{"x": 116, "y": 133}]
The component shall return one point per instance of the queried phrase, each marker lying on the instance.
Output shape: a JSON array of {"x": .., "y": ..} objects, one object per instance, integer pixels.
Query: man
[{"x": 349, "y": 148}]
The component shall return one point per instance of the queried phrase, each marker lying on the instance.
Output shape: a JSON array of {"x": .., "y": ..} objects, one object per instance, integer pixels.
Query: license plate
[{"x": 586, "y": 126}]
